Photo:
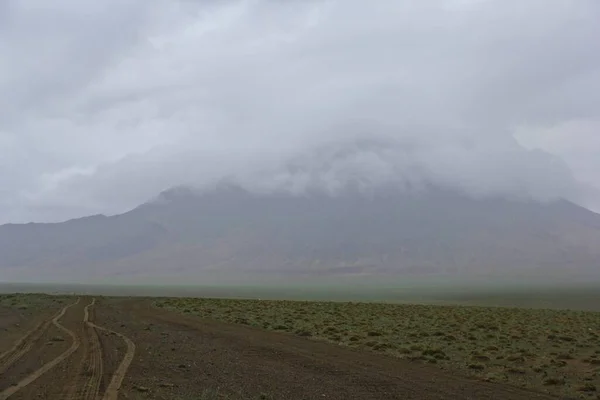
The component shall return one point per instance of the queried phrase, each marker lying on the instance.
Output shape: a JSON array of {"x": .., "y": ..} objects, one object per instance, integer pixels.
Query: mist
[{"x": 105, "y": 105}]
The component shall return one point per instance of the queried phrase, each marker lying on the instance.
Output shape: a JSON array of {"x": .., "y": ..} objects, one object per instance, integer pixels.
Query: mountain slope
[{"x": 230, "y": 231}]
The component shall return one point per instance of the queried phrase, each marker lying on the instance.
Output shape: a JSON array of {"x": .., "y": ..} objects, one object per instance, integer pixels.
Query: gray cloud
[{"x": 103, "y": 105}]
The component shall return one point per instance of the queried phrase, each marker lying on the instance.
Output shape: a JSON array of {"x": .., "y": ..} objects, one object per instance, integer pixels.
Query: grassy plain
[{"x": 555, "y": 351}]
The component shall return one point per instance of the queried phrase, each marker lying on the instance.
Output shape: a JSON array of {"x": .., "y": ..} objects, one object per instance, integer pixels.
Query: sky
[{"x": 105, "y": 104}]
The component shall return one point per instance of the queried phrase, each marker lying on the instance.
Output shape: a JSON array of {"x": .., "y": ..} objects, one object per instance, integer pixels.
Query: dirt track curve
[
  {"x": 5, "y": 394},
  {"x": 85, "y": 384},
  {"x": 112, "y": 391},
  {"x": 23, "y": 345},
  {"x": 85, "y": 354}
]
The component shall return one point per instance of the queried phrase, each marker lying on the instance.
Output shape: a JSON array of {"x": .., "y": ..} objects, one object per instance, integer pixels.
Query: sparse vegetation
[
  {"x": 555, "y": 351},
  {"x": 27, "y": 301}
]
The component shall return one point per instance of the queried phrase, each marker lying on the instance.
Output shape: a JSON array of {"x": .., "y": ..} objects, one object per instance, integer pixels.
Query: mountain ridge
[{"x": 231, "y": 231}]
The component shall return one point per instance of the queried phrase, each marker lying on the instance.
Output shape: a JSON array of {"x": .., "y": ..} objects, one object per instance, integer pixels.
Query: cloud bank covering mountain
[
  {"x": 299, "y": 138},
  {"x": 105, "y": 104}
]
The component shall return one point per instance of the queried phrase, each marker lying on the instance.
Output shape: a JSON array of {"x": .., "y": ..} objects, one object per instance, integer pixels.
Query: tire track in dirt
[
  {"x": 22, "y": 346},
  {"x": 86, "y": 383},
  {"x": 112, "y": 390},
  {"x": 95, "y": 366},
  {"x": 5, "y": 394},
  {"x": 25, "y": 344}
]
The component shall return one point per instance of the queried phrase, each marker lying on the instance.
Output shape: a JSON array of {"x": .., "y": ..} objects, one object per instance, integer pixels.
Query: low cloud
[{"x": 105, "y": 105}]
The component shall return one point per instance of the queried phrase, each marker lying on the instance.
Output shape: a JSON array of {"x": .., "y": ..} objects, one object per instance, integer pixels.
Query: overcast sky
[{"x": 103, "y": 104}]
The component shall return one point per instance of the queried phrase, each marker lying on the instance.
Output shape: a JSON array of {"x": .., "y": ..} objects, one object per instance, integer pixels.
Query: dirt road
[
  {"x": 40, "y": 366},
  {"x": 110, "y": 349}
]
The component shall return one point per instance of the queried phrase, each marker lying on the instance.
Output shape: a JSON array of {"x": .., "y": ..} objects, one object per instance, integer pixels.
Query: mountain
[{"x": 229, "y": 231}]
